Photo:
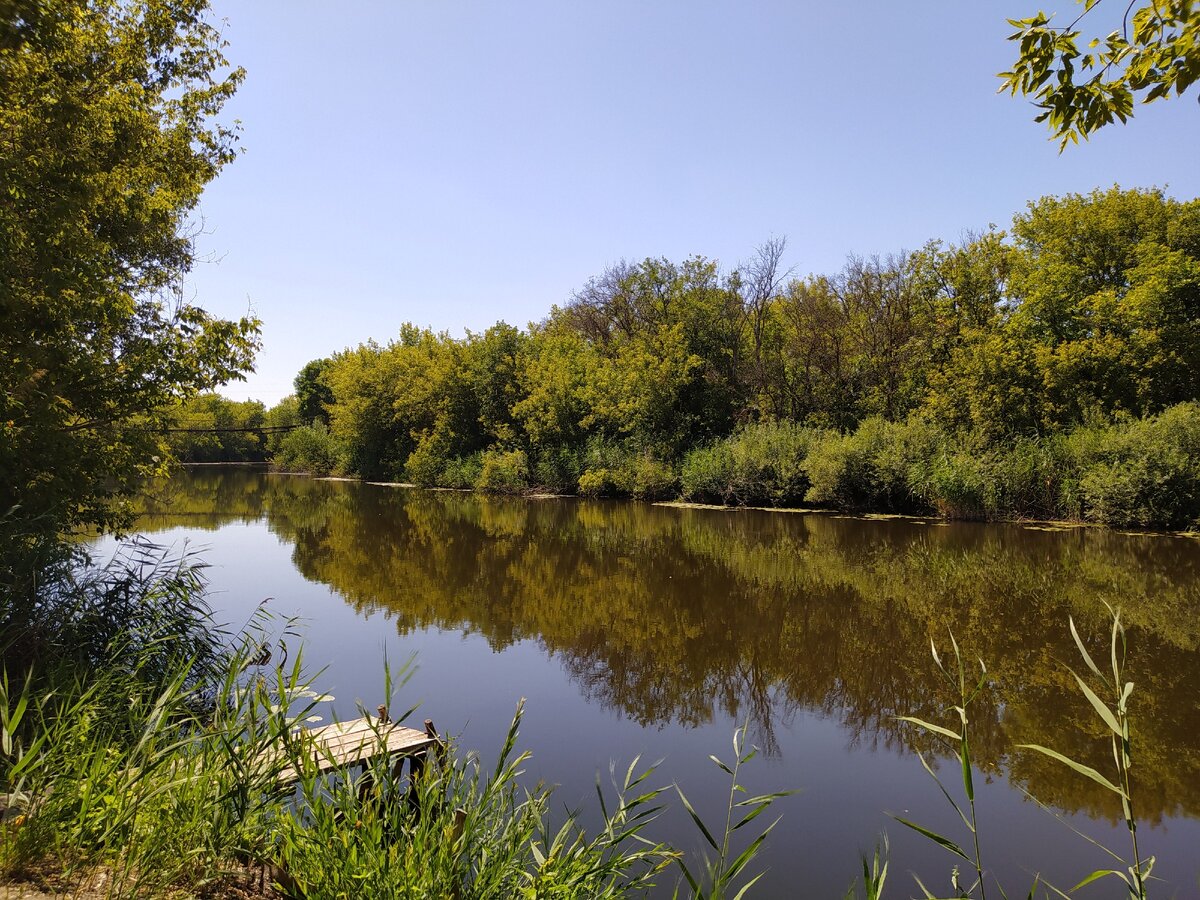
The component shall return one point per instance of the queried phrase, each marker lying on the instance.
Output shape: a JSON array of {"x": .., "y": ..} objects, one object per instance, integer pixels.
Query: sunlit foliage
[
  {"x": 942, "y": 380},
  {"x": 108, "y": 112}
]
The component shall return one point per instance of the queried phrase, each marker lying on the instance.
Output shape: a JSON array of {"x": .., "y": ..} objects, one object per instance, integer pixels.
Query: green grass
[{"x": 1109, "y": 700}]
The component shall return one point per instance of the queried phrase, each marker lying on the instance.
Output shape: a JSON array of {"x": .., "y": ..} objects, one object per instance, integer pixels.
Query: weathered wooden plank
[{"x": 358, "y": 741}]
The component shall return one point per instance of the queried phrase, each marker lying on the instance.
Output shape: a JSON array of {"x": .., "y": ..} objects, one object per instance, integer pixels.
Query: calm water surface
[{"x": 639, "y": 629}]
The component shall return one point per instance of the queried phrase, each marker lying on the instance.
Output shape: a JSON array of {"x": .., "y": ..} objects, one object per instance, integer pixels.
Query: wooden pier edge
[{"x": 359, "y": 741}]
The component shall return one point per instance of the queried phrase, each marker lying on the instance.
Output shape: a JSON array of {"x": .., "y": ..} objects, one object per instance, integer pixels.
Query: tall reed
[
  {"x": 1113, "y": 712},
  {"x": 966, "y": 689},
  {"x": 461, "y": 829},
  {"x": 719, "y": 877}
]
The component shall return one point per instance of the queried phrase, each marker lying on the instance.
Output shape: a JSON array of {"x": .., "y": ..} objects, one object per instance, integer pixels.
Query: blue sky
[{"x": 453, "y": 164}]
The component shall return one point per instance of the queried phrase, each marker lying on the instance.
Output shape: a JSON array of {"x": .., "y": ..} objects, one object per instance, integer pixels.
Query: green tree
[
  {"x": 557, "y": 365},
  {"x": 1153, "y": 50},
  {"x": 362, "y": 418},
  {"x": 284, "y": 414},
  {"x": 108, "y": 135},
  {"x": 672, "y": 339},
  {"x": 1101, "y": 318},
  {"x": 492, "y": 360},
  {"x": 313, "y": 394}
]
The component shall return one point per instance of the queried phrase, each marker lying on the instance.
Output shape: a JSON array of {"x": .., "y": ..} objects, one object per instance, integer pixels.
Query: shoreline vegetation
[
  {"x": 1050, "y": 373},
  {"x": 534, "y": 494}
]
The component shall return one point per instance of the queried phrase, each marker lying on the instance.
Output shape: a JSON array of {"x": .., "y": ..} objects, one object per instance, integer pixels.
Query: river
[{"x": 632, "y": 628}]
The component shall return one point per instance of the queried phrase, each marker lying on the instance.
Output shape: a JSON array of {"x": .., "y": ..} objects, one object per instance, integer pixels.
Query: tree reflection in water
[{"x": 670, "y": 614}]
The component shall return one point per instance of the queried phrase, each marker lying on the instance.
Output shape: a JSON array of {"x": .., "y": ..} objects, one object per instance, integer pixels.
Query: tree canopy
[
  {"x": 1152, "y": 51},
  {"x": 1047, "y": 371},
  {"x": 109, "y": 133}
]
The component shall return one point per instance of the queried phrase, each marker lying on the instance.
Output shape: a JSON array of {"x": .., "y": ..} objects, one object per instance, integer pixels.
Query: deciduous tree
[
  {"x": 1152, "y": 51},
  {"x": 109, "y": 132}
]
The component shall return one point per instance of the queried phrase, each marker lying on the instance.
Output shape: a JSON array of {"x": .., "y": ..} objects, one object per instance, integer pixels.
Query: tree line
[{"x": 1047, "y": 371}]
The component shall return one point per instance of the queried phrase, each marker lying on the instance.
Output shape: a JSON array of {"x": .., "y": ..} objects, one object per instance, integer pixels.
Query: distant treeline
[
  {"x": 210, "y": 428},
  {"x": 1049, "y": 372}
]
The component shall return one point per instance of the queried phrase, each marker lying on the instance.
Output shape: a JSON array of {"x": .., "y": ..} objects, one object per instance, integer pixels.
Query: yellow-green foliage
[
  {"x": 110, "y": 116},
  {"x": 943, "y": 380},
  {"x": 761, "y": 463},
  {"x": 503, "y": 471},
  {"x": 310, "y": 448},
  {"x": 212, "y": 428}
]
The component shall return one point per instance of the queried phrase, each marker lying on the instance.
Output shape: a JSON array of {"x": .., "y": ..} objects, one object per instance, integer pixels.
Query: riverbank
[
  {"x": 916, "y": 518},
  {"x": 1135, "y": 474}
]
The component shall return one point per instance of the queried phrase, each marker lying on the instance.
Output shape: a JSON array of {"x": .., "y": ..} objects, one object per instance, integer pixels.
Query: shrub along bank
[{"x": 1128, "y": 473}]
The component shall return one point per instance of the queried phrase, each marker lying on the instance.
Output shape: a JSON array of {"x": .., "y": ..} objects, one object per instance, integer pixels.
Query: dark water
[{"x": 639, "y": 629}]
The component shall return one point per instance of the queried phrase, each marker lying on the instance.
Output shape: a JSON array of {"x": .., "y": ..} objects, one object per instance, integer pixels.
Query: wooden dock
[{"x": 357, "y": 742}]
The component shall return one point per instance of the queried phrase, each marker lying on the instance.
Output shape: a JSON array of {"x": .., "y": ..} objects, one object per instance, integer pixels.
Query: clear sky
[{"x": 452, "y": 163}]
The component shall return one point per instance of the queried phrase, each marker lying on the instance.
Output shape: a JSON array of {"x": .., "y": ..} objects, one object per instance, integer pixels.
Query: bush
[
  {"x": 503, "y": 471},
  {"x": 309, "y": 449},
  {"x": 761, "y": 464},
  {"x": 955, "y": 485},
  {"x": 969, "y": 480},
  {"x": 144, "y": 604},
  {"x": 558, "y": 469},
  {"x": 1138, "y": 473},
  {"x": 428, "y": 460},
  {"x": 879, "y": 466},
  {"x": 169, "y": 788},
  {"x": 1026, "y": 480},
  {"x": 652, "y": 479},
  {"x": 163, "y": 788},
  {"x": 706, "y": 474},
  {"x": 625, "y": 470},
  {"x": 462, "y": 471},
  {"x": 604, "y": 483}
]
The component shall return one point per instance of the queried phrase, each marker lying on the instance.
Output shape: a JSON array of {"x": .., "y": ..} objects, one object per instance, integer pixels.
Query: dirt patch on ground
[{"x": 248, "y": 883}]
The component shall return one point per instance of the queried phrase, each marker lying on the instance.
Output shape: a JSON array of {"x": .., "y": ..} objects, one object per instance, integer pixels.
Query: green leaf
[
  {"x": 696, "y": 818},
  {"x": 1083, "y": 650},
  {"x": 964, "y": 755},
  {"x": 1086, "y": 771},
  {"x": 752, "y": 815},
  {"x": 945, "y": 793},
  {"x": 749, "y": 884},
  {"x": 929, "y": 726},
  {"x": 749, "y": 853},
  {"x": 1102, "y": 710},
  {"x": 724, "y": 768},
  {"x": 924, "y": 890},
  {"x": 935, "y": 837},
  {"x": 1097, "y": 875},
  {"x": 698, "y": 894}
]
